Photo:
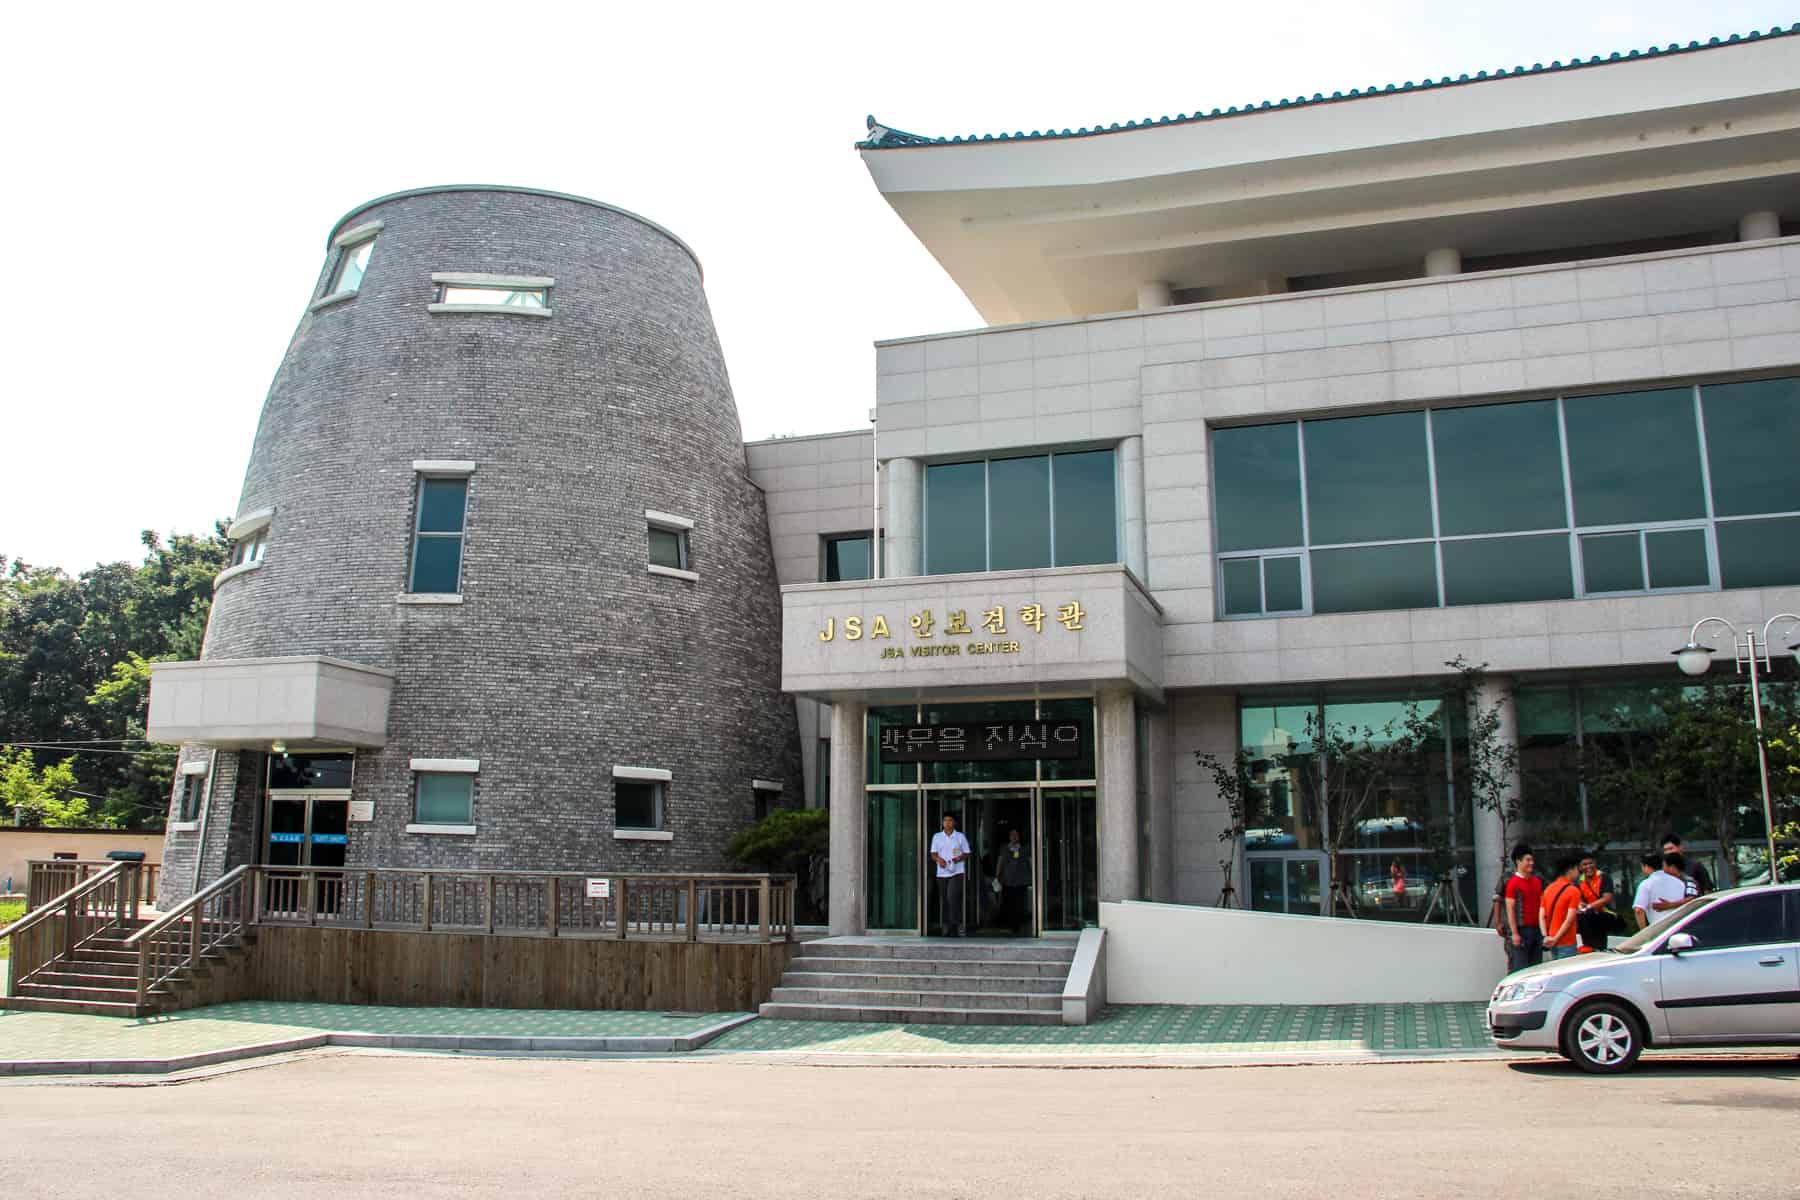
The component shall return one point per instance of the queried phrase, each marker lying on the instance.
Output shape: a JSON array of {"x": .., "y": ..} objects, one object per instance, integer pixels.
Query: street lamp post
[{"x": 1695, "y": 658}]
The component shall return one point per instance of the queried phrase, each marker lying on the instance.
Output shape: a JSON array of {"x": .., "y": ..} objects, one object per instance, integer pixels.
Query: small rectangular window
[
  {"x": 1638, "y": 559},
  {"x": 765, "y": 797},
  {"x": 1254, "y": 586},
  {"x": 352, "y": 265},
  {"x": 494, "y": 296},
  {"x": 191, "y": 799},
  {"x": 249, "y": 548},
  {"x": 668, "y": 548},
  {"x": 847, "y": 557},
  {"x": 638, "y": 803},
  {"x": 444, "y": 799},
  {"x": 438, "y": 536}
]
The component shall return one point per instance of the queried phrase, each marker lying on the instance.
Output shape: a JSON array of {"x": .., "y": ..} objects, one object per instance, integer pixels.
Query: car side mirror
[{"x": 1678, "y": 942}]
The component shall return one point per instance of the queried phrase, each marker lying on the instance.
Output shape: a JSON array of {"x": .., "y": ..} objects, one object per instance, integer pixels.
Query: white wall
[{"x": 1174, "y": 954}]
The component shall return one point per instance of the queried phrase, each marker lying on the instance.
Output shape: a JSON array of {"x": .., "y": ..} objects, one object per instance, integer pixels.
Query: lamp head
[
  {"x": 1693, "y": 658},
  {"x": 278, "y": 746}
]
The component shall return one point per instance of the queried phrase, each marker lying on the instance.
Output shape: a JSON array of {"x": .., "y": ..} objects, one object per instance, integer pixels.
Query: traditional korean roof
[{"x": 884, "y": 137}]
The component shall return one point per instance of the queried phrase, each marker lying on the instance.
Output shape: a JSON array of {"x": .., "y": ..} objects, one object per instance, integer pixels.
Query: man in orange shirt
[
  {"x": 1561, "y": 907},
  {"x": 1596, "y": 919}
]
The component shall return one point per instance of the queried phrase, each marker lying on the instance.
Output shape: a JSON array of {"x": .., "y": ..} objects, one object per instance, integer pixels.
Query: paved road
[{"x": 363, "y": 1125}]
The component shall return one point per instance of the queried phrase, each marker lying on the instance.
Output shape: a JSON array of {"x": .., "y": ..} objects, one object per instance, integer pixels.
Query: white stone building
[{"x": 1278, "y": 412}]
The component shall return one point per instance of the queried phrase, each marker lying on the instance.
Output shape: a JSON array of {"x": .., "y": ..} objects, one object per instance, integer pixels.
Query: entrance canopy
[
  {"x": 247, "y": 703},
  {"x": 995, "y": 632}
]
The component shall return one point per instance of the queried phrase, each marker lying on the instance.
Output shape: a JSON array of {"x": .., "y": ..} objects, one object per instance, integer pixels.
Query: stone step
[
  {"x": 902, "y": 1015},
  {"x": 105, "y": 943},
  {"x": 853, "y": 998},
  {"x": 104, "y": 995},
  {"x": 1007, "y": 949},
  {"x": 99, "y": 966},
  {"x": 925, "y": 966},
  {"x": 90, "y": 1008},
  {"x": 89, "y": 954},
  {"x": 1032, "y": 984},
  {"x": 70, "y": 975}
]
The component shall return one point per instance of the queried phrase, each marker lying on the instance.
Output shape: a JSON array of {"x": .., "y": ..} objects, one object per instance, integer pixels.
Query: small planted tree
[
  {"x": 1491, "y": 761},
  {"x": 1231, "y": 779},
  {"x": 793, "y": 842}
]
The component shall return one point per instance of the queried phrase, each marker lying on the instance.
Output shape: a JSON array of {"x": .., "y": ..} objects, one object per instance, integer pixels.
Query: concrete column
[
  {"x": 1118, "y": 795},
  {"x": 849, "y": 818},
  {"x": 1131, "y": 492},
  {"x": 1495, "y": 692},
  {"x": 1756, "y": 226},
  {"x": 1446, "y": 261},
  {"x": 1162, "y": 808},
  {"x": 1155, "y": 294},
  {"x": 905, "y": 519}
]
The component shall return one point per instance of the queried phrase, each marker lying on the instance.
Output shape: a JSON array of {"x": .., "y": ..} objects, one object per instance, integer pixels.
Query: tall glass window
[
  {"x": 1674, "y": 489},
  {"x": 438, "y": 536},
  {"x": 1006, "y": 514},
  {"x": 352, "y": 265}
]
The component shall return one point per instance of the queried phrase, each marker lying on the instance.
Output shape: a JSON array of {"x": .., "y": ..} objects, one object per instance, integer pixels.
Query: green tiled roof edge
[{"x": 884, "y": 137}]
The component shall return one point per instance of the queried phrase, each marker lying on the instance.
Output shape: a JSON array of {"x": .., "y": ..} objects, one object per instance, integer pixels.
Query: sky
[{"x": 176, "y": 169}]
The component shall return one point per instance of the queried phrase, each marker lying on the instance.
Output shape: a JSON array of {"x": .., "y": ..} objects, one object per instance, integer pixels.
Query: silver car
[{"x": 1721, "y": 970}]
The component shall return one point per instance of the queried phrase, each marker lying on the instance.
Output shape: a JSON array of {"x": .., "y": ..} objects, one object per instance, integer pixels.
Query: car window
[
  {"x": 1741, "y": 921},
  {"x": 1658, "y": 927},
  {"x": 1793, "y": 903}
]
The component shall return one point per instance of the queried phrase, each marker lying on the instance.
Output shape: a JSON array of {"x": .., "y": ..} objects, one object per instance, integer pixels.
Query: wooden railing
[
  {"x": 48, "y": 878},
  {"x": 756, "y": 908},
  {"x": 93, "y": 904},
  {"x": 175, "y": 942}
]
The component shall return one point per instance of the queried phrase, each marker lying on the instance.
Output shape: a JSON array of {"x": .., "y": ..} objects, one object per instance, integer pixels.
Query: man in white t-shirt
[
  {"x": 950, "y": 853},
  {"x": 1659, "y": 893}
]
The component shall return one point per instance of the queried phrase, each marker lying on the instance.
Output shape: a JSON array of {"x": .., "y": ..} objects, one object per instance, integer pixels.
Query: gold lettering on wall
[{"x": 853, "y": 629}]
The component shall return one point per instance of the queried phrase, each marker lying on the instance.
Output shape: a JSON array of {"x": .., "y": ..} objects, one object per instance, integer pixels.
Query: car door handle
[{"x": 1774, "y": 961}]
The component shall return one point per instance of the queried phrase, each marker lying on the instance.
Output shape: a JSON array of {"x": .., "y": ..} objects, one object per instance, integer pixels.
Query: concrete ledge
[
  {"x": 622, "y": 1044},
  {"x": 428, "y": 598},
  {"x": 328, "y": 301},
  {"x": 509, "y": 310},
  {"x": 1084, "y": 992},
  {"x": 233, "y": 571}
]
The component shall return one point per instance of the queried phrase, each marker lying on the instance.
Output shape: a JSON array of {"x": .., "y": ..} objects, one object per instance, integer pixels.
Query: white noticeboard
[
  {"x": 599, "y": 889},
  {"x": 362, "y": 810}
]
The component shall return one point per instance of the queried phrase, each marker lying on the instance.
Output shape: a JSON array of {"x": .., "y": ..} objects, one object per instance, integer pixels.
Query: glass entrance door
[
  {"x": 1069, "y": 855},
  {"x": 987, "y": 818},
  {"x": 307, "y": 831}
]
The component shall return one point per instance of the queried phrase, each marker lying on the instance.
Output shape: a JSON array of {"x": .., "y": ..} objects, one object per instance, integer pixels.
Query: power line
[
  {"x": 89, "y": 742},
  {"x": 78, "y": 750}
]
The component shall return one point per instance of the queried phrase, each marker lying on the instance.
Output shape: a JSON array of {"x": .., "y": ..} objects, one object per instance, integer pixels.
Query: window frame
[
  {"x": 444, "y": 282},
  {"x": 343, "y": 252},
  {"x": 193, "y": 784},
  {"x": 827, "y": 540},
  {"x": 444, "y": 768},
  {"x": 987, "y": 516},
  {"x": 1574, "y": 533},
  {"x": 765, "y": 798},
  {"x": 658, "y": 780},
  {"x": 437, "y": 472},
  {"x": 682, "y": 528}
]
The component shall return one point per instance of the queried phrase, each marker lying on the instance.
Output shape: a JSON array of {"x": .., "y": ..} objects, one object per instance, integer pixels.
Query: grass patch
[{"x": 10, "y": 911}]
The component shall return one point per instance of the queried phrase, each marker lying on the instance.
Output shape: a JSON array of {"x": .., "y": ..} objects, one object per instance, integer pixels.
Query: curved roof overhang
[{"x": 1055, "y": 227}]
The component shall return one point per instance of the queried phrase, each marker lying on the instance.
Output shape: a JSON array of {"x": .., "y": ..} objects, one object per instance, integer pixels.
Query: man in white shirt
[
  {"x": 1660, "y": 892},
  {"x": 950, "y": 851}
]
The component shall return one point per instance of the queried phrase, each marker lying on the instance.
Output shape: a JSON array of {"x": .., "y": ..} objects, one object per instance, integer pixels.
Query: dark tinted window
[
  {"x": 1499, "y": 468},
  {"x": 1634, "y": 458},
  {"x": 955, "y": 518},
  {"x": 1759, "y": 553},
  {"x": 1612, "y": 562},
  {"x": 1243, "y": 586},
  {"x": 637, "y": 804},
  {"x": 1281, "y": 584},
  {"x": 1505, "y": 570},
  {"x": 1366, "y": 479},
  {"x": 309, "y": 770},
  {"x": 1373, "y": 577},
  {"x": 1742, "y": 921},
  {"x": 1677, "y": 557},
  {"x": 1019, "y": 513},
  {"x": 1086, "y": 510},
  {"x": 1752, "y": 442},
  {"x": 847, "y": 558},
  {"x": 441, "y": 505},
  {"x": 1256, "y": 473}
]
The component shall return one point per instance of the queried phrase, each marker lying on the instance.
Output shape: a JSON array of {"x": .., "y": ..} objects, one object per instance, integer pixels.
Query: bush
[{"x": 791, "y": 842}]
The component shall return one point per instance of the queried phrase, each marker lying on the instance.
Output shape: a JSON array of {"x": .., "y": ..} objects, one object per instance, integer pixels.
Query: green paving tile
[
  {"x": 1147, "y": 1029},
  {"x": 31, "y": 1035}
]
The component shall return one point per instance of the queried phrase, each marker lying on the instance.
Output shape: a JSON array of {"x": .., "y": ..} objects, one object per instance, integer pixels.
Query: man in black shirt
[
  {"x": 1699, "y": 882},
  {"x": 1012, "y": 868}
]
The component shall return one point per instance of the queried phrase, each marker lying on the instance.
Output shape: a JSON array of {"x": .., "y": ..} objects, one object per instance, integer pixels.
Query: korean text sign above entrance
[{"x": 982, "y": 741}]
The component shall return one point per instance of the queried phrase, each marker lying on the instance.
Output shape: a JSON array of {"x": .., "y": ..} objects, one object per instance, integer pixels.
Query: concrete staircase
[
  {"x": 904, "y": 980},
  {"x": 100, "y": 978}
]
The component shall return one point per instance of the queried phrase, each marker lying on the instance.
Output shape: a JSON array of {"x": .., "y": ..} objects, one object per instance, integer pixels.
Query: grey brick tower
[{"x": 558, "y": 357}]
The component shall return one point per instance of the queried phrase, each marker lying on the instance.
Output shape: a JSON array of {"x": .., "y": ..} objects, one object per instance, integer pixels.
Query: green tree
[
  {"x": 791, "y": 842},
  {"x": 43, "y": 795}
]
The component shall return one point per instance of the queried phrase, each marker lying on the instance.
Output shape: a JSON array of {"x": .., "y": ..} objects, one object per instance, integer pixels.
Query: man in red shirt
[
  {"x": 1524, "y": 894},
  {"x": 1560, "y": 908}
]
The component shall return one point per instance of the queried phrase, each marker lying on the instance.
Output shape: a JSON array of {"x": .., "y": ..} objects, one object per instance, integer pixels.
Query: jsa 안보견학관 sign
[{"x": 996, "y": 630}]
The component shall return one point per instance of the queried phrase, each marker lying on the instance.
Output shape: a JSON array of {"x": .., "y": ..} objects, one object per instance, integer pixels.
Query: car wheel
[{"x": 1602, "y": 1038}]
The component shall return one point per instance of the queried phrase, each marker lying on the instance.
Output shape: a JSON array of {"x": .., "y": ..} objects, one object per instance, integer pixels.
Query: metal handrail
[
  {"x": 181, "y": 910},
  {"x": 44, "y": 911}
]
